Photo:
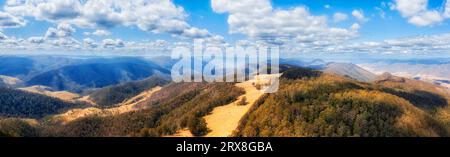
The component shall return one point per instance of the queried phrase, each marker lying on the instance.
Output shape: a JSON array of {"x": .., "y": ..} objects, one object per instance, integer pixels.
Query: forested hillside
[
  {"x": 329, "y": 105},
  {"x": 183, "y": 109},
  {"x": 12, "y": 127},
  {"x": 109, "y": 96},
  {"x": 17, "y": 103}
]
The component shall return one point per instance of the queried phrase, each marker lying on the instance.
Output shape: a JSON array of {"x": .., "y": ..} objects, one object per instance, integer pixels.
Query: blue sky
[
  {"x": 377, "y": 28},
  {"x": 381, "y": 26}
]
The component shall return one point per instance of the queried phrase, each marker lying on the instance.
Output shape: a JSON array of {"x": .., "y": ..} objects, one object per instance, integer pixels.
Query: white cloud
[
  {"x": 99, "y": 32},
  {"x": 418, "y": 13},
  {"x": 327, "y": 6},
  {"x": 70, "y": 43},
  {"x": 259, "y": 20},
  {"x": 409, "y": 8},
  {"x": 447, "y": 9},
  {"x": 195, "y": 33},
  {"x": 339, "y": 17},
  {"x": 111, "y": 43},
  {"x": 359, "y": 15},
  {"x": 89, "y": 43},
  {"x": 355, "y": 26},
  {"x": 149, "y": 15},
  {"x": 61, "y": 31},
  {"x": 56, "y": 38},
  {"x": 435, "y": 44},
  {"x": 426, "y": 18},
  {"x": 9, "y": 21},
  {"x": 36, "y": 40}
]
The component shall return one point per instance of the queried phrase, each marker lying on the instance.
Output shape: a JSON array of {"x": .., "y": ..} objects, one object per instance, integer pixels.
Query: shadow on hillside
[{"x": 420, "y": 98}]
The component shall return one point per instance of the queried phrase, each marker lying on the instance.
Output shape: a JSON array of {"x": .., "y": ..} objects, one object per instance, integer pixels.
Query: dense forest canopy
[
  {"x": 17, "y": 103},
  {"x": 109, "y": 96}
]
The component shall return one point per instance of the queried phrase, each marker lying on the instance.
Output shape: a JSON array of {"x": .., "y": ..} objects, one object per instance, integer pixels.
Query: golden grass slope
[
  {"x": 223, "y": 120},
  {"x": 63, "y": 95}
]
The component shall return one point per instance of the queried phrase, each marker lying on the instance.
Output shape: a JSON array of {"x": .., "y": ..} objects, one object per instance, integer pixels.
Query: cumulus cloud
[
  {"x": 111, "y": 43},
  {"x": 61, "y": 31},
  {"x": 359, "y": 15},
  {"x": 418, "y": 13},
  {"x": 355, "y": 26},
  {"x": 36, "y": 40},
  {"x": 259, "y": 20},
  {"x": 195, "y": 33},
  {"x": 434, "y": 44},
  {"x": 100, "y": 32},
  {"x": 9, "y": 21},
  {"x": 339, "y": 17},
  {"x": 90, "y": 43},
  {"x": 426, "y": 18},
  {"x": 149, "y": 15},
  {"x": 409, "y": 8},
  {"x": 66, "y": 42},
  {"x": 59, "y": 37}
]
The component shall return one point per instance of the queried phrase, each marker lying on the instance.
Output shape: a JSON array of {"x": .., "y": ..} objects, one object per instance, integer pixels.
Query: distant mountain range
[
  {"x": 15, "y": 66},
  {"x": 350, "y": 70},
  {"x": 95, "y": 75},
  {"x": 76, "y": 74},
  {"x": 437, "y": 72},
  {"x": 342, "y": 69}
]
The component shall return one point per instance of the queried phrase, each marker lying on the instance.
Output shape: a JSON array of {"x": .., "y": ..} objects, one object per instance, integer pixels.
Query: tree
[
  {"x": 197, "y": 126},
  {"x": 243, "y": 101}
]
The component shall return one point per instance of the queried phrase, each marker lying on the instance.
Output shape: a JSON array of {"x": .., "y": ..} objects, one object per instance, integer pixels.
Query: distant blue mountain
[
  {"x": 15, "y": 66},
  {"x": 417, "y": 61},
  {"x": 97, "y": 74},
  {"x": 316, "y": 64}
]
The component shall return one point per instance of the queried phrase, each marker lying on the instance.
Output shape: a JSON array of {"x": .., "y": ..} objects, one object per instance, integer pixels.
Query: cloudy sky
[{"x": 385, "y": 27}]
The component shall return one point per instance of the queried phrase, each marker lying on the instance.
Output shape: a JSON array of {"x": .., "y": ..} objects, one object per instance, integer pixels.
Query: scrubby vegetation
[
  {"x": 11, "y": 127},
  {"x": 17, "y": 103},
  {"x": 109, "y": 96},
  {"x": 299, "y": 73},
  {"x": 243, "y": 102}
]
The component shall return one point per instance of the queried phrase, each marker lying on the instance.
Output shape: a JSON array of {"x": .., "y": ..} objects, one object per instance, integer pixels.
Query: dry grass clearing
[
  {"x": 63, "y": 95},
  {"x": 223, "y": 120}
]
